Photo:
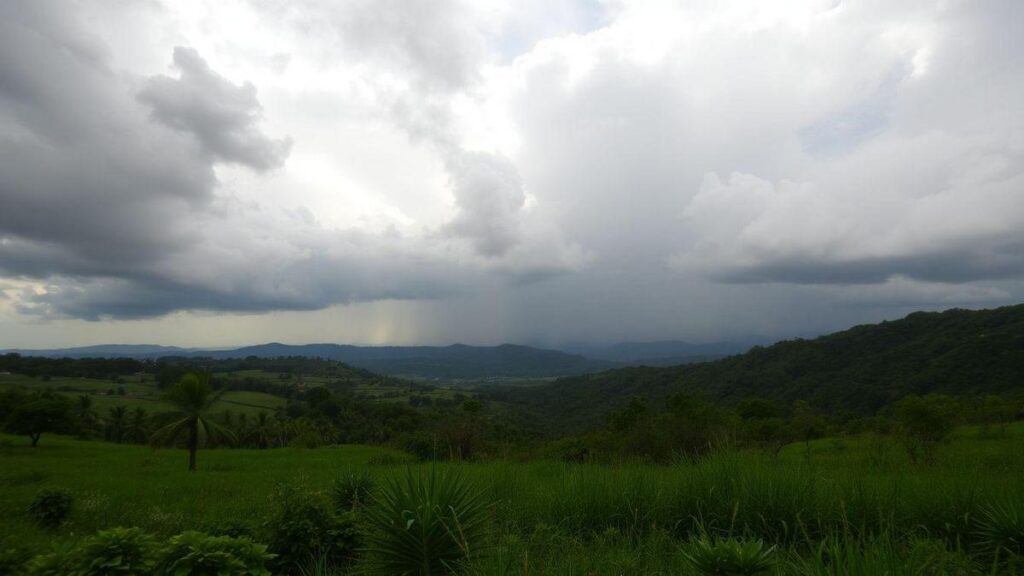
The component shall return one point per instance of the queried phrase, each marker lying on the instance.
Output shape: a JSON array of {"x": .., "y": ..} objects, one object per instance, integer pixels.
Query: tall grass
[{"x": 842, "y": 507}]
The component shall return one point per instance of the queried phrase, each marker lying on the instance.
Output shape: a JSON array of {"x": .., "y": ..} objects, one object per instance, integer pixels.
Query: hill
[
  {"x": 857, "y": 370},
  {"x": 457, "y": 361},
  {"x": 658, "y": 353}
]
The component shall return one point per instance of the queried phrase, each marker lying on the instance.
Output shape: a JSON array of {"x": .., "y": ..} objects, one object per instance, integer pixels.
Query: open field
[{"x": 549, "y": 517}]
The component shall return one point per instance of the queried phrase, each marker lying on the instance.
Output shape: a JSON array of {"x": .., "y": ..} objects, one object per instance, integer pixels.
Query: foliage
[
  {"x": 350, "y": 491},
  {"x": 13, "y": 560},
  {"x": 1000, "y": 528},
  {"x": 192, "y": 396},
  {"x": 730, "y": 557},
  {"x": 425, "y": 523},
  {"x": 194, "y": 552},
  {"x": 128, "y": 551},
  {"x": 62, "y": 561},
  {"x": 925, "y": 421},
  {"x": 43, "y": 414},
  {"x": 305, "y": 527},
  {"x": 51, "y": 507},
  {"x": 859, "y": 370}
]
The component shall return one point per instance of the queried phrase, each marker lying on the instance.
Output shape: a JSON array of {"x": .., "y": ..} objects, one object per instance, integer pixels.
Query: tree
[
  {"x": 192, "y": 396},
  {"x": 807, "y": 424},
  {"x": 138, "y": 426},
  {"x": 45, "y": 414},
  {"x": 117, "y": 421},
  {"x": 84, "y": 410},
  {"x": 924, "y": 422}
]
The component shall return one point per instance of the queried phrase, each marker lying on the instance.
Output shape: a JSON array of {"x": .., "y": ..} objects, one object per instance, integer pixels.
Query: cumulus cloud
[
  {"x": 489, "y": 196},
  {"x": 650, "y": 170},
  {"x": 222, "y": 116}
]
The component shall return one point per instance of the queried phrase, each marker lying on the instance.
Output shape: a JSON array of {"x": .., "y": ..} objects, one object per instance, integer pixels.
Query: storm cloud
[{"x": 548, "y": 171}]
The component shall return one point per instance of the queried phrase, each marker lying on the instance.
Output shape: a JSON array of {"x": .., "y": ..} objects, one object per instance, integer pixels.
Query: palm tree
[
  {"x": 84, "y": 410},
  {"x": 138, "y": 426},
  {"x": 116, "y": 422},
  {"x": 192, "y": 396}
]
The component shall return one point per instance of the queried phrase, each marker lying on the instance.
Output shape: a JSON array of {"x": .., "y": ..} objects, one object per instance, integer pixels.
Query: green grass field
[
  {"x": 552, "y": 517},
  {"x": 139, "y": 392}
]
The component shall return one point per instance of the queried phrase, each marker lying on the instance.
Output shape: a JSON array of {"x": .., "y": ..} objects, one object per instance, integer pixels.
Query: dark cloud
[
  {"x": 992, "y": 260},
  {"x": 115, "y": 208},
  {"x": 222, "y": 116}
]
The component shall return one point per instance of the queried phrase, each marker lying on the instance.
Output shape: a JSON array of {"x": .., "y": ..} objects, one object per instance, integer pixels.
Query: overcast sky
[{"x": 433, "y": 171}]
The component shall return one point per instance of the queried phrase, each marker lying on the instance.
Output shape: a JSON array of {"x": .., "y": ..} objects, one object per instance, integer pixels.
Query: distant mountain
[
  {"x": 107, "y": 351},
  {"x": 457, "y": 361},
  {"x": 659, "y": 353},
  {"x": 858, "y": 370}
]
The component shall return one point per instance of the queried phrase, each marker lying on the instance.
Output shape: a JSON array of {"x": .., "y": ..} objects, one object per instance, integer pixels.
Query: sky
[{"x": 218, "y": 173}]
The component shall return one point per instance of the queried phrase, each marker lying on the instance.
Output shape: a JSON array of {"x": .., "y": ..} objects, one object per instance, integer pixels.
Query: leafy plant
[
  {"x": 425, "y": 523},
  {"x": 232, "y": 527},
  {"x": 63, "y": 561},
  {"x": 352, "y": 490},
  {"x": 12, "y": 560},
  {"x": 51, "y": 507},
  {"x": 126, "y": 551},
  {"x": 198, "y": 553},
  {"x": 305, "y": 527},
  {"x": 730, "y": 557}
]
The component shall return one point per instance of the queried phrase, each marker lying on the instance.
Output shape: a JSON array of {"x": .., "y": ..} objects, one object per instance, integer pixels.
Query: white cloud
[{"x": 630, "y": 167}]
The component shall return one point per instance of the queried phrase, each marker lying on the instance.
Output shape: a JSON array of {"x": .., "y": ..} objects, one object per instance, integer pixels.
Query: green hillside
[{"x": 858, "y": 370}]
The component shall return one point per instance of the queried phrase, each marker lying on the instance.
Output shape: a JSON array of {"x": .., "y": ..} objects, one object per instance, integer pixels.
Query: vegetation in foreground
[{"x": 846, "y": 505}]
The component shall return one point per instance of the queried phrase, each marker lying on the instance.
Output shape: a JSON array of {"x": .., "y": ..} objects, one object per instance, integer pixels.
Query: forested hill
[{"x": 858, "y": 370}]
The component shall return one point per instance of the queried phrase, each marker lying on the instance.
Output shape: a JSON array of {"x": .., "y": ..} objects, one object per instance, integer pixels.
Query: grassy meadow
[{"x": 851, "y": 505}]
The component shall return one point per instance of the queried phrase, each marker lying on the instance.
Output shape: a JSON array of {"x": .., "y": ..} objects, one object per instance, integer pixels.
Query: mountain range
[
  {"x": 854, "y": 371},
  {"x": 457, "y": 361}
]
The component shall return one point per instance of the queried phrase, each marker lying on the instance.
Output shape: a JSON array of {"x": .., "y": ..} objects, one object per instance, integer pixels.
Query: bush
[
  {"x": 117, "y": 551},
  {"x": 13, "y": 560},
  {"x": 352, "y": 490},
  {"x": 60, "y": 562},
  {"x": 730, "y": 557},
  {"x": 197, "y": 553},
  {"x": 51, "y": 507},
  {"x": 304, "y": 527},
  {"x": 425, "y": 524},
  {"x": 229, "y": 527}
]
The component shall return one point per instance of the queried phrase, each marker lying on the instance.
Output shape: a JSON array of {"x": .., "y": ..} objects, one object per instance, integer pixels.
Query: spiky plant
[
  {"x": 424, "y": 524},
  {"x": 192, "y": 396},
  {"x": 730, "y": 556},
  {"x": 1000, "y": 529}
]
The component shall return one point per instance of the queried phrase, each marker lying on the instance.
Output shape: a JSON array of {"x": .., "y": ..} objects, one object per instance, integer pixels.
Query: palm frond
[{"x": 169, "y": 433}]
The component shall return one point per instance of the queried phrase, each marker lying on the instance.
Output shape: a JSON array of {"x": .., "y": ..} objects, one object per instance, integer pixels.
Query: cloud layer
[{"x": 589, "y": 171}]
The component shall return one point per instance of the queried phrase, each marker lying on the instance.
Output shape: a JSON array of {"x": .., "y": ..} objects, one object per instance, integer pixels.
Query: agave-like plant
[
  {"x": 1000, "y": 529},
  {"x": 730, "y": 556},
  {"x": 192, "y": 396},
  {"x": 424, "y": 524}
]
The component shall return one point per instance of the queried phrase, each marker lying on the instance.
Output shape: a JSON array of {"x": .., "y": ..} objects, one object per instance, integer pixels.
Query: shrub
[
  {"x": 305, "y": 527},
  {"x": 126, "y": 551},
  {"x": 229, "y": 527},
  {"x": 197, "y": 553},
  {"x": 352, "y": 490},
  {"x": 425, "y": 524},
  {"x": 60, "y": 562},
  {"x": 13, "y": 560},
  {"x": 730, "y": 557},
  {"x": 51, "y": 507}
]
